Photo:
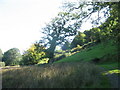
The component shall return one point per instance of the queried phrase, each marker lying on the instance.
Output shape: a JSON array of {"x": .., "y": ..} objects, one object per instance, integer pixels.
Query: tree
[
  {"x": 1, "y": 55},
  {"x": 12, "y": 57},
  {"x": 34, "y": 54},
  {"x": 88, "y": 37},
  {"x": 66, "y": 46},
  {"x": 78, "y": 40},
  {"x": 92, "y": 35},
  {"x": 57, "y": 31},
  {"x": 84, "y": 10},
  {"x": 110, "y": 29}
]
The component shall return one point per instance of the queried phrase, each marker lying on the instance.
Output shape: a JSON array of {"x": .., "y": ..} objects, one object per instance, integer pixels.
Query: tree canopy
[
  {"x": 12, "y": 57},
  {"x": 58, "y": 30},
  {"x": 34, "y": 54},
  {"x": 79, "y": 39}
]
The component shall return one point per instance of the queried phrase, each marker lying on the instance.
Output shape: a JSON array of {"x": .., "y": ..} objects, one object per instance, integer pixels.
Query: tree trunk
[{"x": 51, "y": 49}]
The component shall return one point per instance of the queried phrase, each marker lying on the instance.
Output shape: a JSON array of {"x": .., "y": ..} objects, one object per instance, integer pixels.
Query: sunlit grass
[
  {"x": 43, "y": 61},
  {"x": 97, "y": 51},
  {"x": 111, "y": 72}
]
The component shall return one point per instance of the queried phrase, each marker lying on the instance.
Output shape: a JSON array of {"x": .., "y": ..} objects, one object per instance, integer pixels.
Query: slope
[{"x": 107, "y": 52}]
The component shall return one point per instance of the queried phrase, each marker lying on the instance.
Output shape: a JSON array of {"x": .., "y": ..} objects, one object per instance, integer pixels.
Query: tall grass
[{"x": 60, "y": 75}]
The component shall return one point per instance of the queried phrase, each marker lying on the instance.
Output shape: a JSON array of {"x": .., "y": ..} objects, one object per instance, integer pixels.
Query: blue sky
[{"x": 22, "y": 20}]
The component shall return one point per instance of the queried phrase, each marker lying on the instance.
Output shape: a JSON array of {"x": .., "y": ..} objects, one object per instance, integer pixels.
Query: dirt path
[
  {"x": 8, "y": 67},
  {"x": 114, "y": 80}
]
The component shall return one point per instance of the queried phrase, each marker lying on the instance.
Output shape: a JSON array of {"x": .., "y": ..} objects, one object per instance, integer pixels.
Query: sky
[{"x": 22, "y": 20}]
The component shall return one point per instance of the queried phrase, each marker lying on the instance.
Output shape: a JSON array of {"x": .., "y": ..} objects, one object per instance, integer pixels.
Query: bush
[{"x": 2, "y": 64}]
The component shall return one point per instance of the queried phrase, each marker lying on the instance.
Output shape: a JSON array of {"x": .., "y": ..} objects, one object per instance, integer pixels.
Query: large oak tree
[{"x": 58, "y": 30}]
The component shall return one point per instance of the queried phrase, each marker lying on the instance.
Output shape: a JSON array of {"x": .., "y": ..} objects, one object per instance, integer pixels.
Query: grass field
[{"x": 61, "y": 75}]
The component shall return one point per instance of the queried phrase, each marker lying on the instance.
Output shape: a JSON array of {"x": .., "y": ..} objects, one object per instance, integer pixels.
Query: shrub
[{"x": 2, "y": 64}]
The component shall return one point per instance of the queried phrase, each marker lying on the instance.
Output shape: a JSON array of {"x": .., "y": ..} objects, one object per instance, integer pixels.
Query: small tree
[
  {"x": 78, "y": 40},
  {"x": 93, "y": 35},
  {"x": 12, "y": 57},
  {"x": 34, "y": 54}
]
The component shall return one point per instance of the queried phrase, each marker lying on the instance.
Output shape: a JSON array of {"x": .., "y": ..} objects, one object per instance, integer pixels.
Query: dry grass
[{"x": 60, "y": 75}]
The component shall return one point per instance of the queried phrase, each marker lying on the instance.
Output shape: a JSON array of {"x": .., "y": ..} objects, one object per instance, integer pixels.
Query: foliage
[
  {"x": 108, "y": 8},
  {"x": 92, "y": 35},
  {"x": 2, "y": 64},
  {"x": 82, "y": 11},
  {"x": 57, "y": 31},
  {"x": 43, "y": 61},
  {"x": 66, "y": 46},
  {"x": 34, "y": 54},
  {"x": 12, "y": 57},
  {"x": 109, "y": 29},
  {"x": 78, "y": 40},
  {"x": 106, "y": 31}
]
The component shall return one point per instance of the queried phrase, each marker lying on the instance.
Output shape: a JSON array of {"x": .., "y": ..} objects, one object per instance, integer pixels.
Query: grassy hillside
[
  {"x": 88, "y": 54},
  {"x": 107, "y": 52}
]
